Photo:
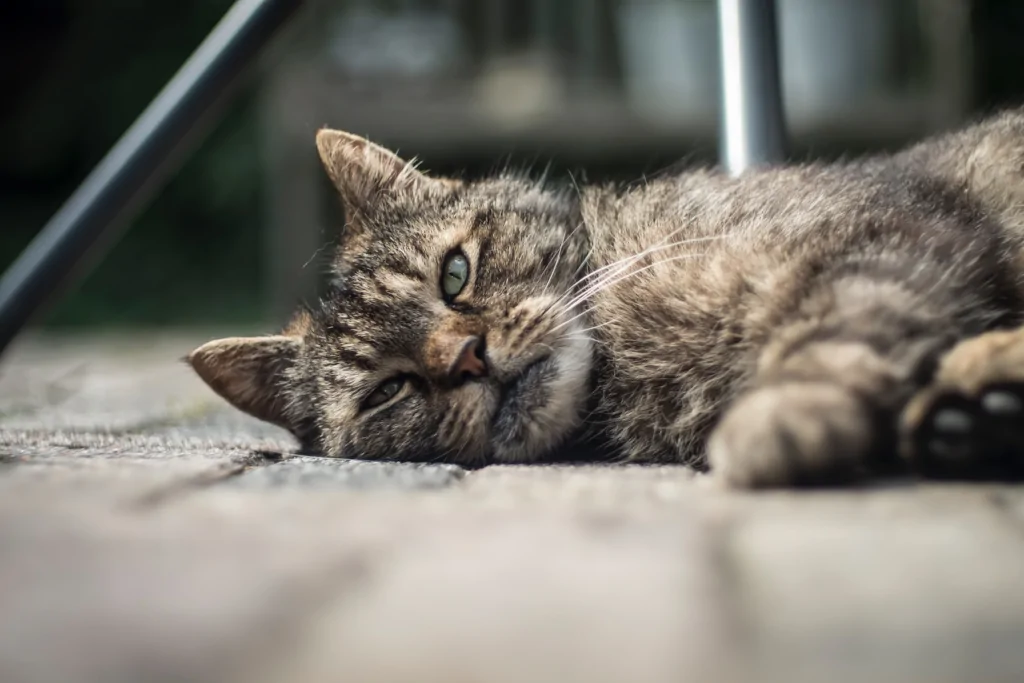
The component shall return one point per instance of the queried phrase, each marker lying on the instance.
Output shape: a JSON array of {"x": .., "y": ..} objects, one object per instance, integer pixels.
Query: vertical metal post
[
  {"x": 587, "y": 38},
  {"x": 141, "y": 159},
  {"x": 753, "y": 132}
]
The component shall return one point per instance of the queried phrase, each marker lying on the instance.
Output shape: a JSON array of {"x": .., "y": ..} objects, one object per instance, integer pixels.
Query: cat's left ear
[
  {"x": 254, "y": 374},
  {"x": 363, "y": 171}
]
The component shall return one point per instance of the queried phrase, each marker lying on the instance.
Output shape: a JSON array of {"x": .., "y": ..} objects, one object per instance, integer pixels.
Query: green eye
[
  {"x": 385, "y": 392},
  {"x": 454, "y": 274}
]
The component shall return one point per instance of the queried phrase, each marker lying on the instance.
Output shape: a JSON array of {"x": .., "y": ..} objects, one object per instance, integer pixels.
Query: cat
[{"x": 810, "y": 324}]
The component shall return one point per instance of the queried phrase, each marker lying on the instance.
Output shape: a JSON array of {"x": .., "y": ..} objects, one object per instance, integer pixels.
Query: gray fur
[{"x": 773, "y": 325}]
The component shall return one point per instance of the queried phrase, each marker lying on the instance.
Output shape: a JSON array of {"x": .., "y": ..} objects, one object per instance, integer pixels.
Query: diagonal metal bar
[
  {"x": 753, "y": 130},
  {"x": 94, "y": 216}
]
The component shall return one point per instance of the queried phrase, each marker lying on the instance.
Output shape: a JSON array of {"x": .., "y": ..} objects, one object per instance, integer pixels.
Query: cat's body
[
  {"x": 768, "y": 264},
  {"x": 777, "y": 323}
]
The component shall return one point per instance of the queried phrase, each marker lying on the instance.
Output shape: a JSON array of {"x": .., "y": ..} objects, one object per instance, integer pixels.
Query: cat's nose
[{"x": 469, "y": 362}]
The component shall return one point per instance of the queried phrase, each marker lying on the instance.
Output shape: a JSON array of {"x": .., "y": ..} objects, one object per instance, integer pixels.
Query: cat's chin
[{"x": 542, "y": 406}]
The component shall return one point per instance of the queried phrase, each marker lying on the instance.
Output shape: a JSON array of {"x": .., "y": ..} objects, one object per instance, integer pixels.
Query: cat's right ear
[
  {"x": 253, "y": 374},
  {"x": 365, "y": 172}
]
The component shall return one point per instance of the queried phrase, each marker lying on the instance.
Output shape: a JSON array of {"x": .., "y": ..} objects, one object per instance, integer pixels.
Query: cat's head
[{"x": 446, "y": 332}]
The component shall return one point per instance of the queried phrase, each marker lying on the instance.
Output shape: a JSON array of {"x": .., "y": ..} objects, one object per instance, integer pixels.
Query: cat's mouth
[
  {"x": 521, "y": 397},
  {"x": 537, "y": 409}
]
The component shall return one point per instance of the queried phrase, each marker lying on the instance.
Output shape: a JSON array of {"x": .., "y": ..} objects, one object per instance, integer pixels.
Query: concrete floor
[{"x": 148, "y": 533}]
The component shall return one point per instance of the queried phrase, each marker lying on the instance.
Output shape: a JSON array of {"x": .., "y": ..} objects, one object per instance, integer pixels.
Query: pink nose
[{"x": 469, "y": 361}]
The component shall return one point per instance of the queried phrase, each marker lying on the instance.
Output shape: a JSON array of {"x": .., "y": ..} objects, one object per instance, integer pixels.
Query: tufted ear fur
[
  {"x": 363, "y": 171},
  {"x": 254, "y": 374}
]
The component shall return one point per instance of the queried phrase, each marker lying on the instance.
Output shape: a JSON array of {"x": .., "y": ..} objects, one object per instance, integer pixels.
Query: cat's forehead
[
  {"x": 356, "y": 332},
  {"x": 393, "y": 292}
]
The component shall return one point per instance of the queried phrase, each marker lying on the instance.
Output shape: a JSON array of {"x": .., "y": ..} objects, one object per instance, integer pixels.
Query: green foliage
[{"x": 193, "y": 256}]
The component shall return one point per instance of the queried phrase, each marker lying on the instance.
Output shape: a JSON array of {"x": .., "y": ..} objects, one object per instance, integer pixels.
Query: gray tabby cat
[{"x": 806, "y": 325}]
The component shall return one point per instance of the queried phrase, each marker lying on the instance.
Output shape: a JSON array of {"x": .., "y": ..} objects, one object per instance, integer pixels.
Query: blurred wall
[{"x": 616, "y": 87}]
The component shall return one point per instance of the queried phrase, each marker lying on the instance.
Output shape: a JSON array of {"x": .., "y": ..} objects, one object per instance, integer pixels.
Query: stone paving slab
[
  {"x": 142, "y": 541},
  {"x": 66, "y": 384},
  {"x": 113, "y": 483},
  {"x": 167, "y": 444},
  {"x": 611, "y": 488},
  {"x": 118, "y": 384},
  {"x": 926, "y": 585},
  {"x": 538, "y": 597},
  {"x": 95, "y": 596},
  {"x": 306, "y": 472}
]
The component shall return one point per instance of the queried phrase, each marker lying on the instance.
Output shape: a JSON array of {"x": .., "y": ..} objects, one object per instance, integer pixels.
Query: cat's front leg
[{"x": 815, "y": 419}]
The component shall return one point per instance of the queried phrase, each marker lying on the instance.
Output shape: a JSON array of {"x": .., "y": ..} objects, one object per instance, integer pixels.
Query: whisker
[
  {"x": 652, "y": 250},
  {"x": 584, "y": 263},
  {"x": 569, "y": 321},
  {"x": 558, "y": 256},
  {"x": 589, "y": 340},
  {"x": 623, "y": 264},
  {"x": 619, "y": 277},
  {"x": 597, "y": 327}
]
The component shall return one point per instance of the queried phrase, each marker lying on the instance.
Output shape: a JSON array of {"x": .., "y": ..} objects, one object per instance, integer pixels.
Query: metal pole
[
  {"x": 752, "y": 122},
  {"x": 137, "y": 164}
]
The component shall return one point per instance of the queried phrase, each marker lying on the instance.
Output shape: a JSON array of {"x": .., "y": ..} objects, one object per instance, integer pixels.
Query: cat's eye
[
  {"x": 384, "y": 393},
  {"x": 454, "y": 274}
]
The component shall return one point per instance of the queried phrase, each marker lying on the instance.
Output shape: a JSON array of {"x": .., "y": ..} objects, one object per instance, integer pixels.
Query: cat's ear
[
  {"x": 363, "y": 171},
  {"x": 252, "y": 374}
]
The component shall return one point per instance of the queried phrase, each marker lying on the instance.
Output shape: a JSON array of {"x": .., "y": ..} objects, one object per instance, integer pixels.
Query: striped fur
[{"x": 772, "y": 325}]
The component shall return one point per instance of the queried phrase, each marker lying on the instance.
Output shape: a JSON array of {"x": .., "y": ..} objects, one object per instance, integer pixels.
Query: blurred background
[{"x": 606, "y": 89}]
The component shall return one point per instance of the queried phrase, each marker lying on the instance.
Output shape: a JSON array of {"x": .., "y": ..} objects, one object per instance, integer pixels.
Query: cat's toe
[
  {"x": 793, "y": 434},
  {"x": 950, "y": 435},
  {"x": 1003, "y": 408},
  {"x": 945, "y": 435}
]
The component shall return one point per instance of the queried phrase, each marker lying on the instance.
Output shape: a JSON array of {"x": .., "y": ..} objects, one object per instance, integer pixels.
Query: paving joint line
[{"x": 204, "y": 480}]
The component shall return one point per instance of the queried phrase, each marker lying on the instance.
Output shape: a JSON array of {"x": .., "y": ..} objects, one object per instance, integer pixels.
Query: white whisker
[
  {"x": 558, "y": 256},
  {"x": 619, "y": 276},
  {"x": 623, "y": 264}
]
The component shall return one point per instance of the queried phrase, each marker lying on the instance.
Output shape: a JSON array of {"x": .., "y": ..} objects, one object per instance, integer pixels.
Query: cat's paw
[
  {"x": 969, "y": 423},
  {"x": 792, "y": 434}
]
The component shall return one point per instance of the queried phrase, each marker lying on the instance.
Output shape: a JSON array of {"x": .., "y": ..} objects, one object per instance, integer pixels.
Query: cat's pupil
[{"x": 456, "y": 273}]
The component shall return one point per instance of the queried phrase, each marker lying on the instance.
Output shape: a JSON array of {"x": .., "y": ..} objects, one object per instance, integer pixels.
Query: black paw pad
[
  {"x": 1003, "y": 409},
  {"x": 964, "y": 437},
  {"x": 950, "y": 440}
]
